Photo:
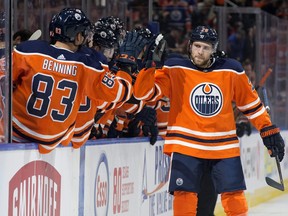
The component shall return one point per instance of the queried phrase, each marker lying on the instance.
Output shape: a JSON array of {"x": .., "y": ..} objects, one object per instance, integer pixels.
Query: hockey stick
[
  {"x": 264, "y": 78},
  {"x": 269, "y": 181},
  {"x": 264, "y": 92},
  {"x": 273, "y": 183},
  {"x": 265, "y": 99}
]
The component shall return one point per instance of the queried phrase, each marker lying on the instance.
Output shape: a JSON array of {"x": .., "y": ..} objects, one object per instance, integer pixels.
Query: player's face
[
  {"x": 108, "y": 52},
  {"x": 89, "y": 39},
  {"x": 201, "y": 53},
  {"x": 122, "y": 36}
]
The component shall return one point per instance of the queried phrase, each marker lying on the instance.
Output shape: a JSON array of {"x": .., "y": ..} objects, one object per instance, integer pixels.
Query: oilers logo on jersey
[{"x": 206, "y": 99}]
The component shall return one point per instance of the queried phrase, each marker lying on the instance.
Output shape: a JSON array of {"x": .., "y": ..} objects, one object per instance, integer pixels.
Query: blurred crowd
[
  {"x": 177, "y": 17},
  {"x": 195, "y": 12}
]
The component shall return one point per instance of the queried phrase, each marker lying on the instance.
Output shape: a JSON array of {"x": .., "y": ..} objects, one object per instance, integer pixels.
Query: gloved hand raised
[
  {"x": 273, "y": 141},
  {"x": 130, "y": 49},
  {"x": 155, "y": 53}
]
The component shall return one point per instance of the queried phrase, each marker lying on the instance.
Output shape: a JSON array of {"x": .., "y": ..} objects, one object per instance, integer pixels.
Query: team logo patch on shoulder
[{"x": 206, "y": 99}]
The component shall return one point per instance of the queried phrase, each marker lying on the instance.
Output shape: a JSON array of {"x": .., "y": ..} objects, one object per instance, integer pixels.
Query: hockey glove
[
  {"x": 155, "y": 53},
  {"x": 152, "y": 131},
  {"x": 243, "y": 128},
  {"x": 273, "y": 141},
  {"x": 149, "y": 118},
  {"x": 96, "y": 132},
  {"x": 113, "y": 130},
  {"x": 147, "y": 115},
  {"x": 134, "y": 128},
  {"x": 93, "y": 133},
  {"x": 130, "y": 49}
]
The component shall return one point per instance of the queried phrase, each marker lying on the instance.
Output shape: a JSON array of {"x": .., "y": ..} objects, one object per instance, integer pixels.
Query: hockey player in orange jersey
[
  {"x": 134, "y": 118},
  {"x": 50, "y": 81},
  {"x": 105, "y": 38},
  {"x": 201, "y": 134}
]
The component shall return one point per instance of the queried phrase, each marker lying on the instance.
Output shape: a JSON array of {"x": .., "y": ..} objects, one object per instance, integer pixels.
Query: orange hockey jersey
[
  {"x": 201, "y": 119},
  {"x": 88, "y": 108},
  {"x": 121, "y": 112},
  {"x": 84, "y": 121},
  {"x": 50, "y": 83}
]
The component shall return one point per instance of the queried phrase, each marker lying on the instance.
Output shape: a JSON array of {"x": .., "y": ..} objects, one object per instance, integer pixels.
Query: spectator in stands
[
  {"x": 157, "y": 15},
  {"x": 249, "y": 46},
  {"x": 20, "y": 36},
  {"x": 249, "y": 70},
  {"x": 283, "y": 10},
  {"x": 272, "y": 7},
  {"x": 24, "y": 35},
  {"x": 176, "y": 14},
  {"x": 137, "y": 11},
  {"x": 235, "y": 44},
  {"x": 176, "y": 40}
]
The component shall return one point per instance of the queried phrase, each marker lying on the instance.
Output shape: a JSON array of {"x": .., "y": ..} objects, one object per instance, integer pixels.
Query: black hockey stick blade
[{"x": 273, "y": 183}]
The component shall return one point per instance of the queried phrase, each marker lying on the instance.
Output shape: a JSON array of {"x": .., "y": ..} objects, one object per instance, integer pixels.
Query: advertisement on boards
[
  {"x": 128, "y": 179},
  {"x": 36, "y": 184}
]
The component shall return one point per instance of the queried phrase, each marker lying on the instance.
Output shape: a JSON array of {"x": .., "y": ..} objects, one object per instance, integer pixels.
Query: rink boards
[
  {"x": 111, "y": 177},
  {"x": 257, "y": 164}
]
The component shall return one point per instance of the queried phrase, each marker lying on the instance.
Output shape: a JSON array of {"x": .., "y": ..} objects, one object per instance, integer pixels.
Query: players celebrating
[
  {"x": 50, "y": 81},
  {"x": 201, "y": 135}
]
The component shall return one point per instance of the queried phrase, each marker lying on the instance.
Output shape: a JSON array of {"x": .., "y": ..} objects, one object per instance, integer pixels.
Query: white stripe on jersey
[
  {"x": 199, "y": 133},
  {"x": 202, "y": 147}
]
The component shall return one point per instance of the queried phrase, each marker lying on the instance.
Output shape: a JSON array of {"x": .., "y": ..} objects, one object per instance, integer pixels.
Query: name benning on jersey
[
  {"x": 206, "y": 99},
  {"x": 60, "y": 68}
]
